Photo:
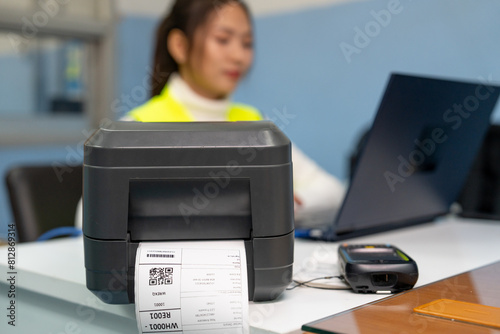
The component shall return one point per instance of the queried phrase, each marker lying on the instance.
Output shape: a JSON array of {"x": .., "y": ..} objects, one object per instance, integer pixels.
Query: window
[{"x": 56, "y": 61}]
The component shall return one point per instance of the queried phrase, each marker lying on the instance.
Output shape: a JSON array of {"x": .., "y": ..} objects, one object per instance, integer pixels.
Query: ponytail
[{"x": 164, "y": 64}]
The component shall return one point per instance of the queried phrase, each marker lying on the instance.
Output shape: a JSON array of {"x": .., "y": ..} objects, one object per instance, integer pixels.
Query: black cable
[{"x": 297, "y": 283}]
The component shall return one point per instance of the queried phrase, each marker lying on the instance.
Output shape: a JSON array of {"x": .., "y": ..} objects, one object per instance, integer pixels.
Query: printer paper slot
[{"x": 189, "y": 209}]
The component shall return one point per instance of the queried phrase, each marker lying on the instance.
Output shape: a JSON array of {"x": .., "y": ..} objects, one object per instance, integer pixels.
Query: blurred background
[{"x": 321, "y": 67}]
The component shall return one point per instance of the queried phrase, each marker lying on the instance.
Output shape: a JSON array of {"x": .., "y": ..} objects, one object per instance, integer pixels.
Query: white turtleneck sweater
[
  {"x": 318, "y": 191},
  {"x": 201, "y": 108}
]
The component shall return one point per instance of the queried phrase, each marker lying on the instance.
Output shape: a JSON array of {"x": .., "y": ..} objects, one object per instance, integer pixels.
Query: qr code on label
[{"x": 161, "y": 276}]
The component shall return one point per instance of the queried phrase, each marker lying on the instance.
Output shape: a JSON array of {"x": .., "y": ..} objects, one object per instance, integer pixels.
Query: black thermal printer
[{"x": 183, "y": 182}]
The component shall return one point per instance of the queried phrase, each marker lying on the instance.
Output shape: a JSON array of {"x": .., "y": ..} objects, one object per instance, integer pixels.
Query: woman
[{"x": 203, "y": 50}]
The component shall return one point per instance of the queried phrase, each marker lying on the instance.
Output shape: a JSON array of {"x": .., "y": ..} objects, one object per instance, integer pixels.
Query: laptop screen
[{"x": 418, "y": 152}]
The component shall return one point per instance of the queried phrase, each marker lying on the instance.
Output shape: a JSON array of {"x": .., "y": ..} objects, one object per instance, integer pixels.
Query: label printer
[{"x": 154, "y": 182}]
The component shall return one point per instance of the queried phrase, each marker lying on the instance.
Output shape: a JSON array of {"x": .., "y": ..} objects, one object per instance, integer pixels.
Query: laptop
[{"x": 417, "y": 155}]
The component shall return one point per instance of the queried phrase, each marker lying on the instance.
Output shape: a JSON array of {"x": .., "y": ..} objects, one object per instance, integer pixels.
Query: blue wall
[{"x": 135, "y": 49}]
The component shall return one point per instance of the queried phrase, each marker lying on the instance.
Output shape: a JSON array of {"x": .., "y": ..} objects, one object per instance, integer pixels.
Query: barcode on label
[{"x": 160, "y": 255}]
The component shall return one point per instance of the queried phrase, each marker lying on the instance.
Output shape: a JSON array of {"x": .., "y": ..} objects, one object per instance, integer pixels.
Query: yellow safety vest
[{"x": 164, "y": 108}]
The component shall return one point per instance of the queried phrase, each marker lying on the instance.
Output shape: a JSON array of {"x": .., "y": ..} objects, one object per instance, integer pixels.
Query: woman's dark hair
[{"x": 187, "y": 16}]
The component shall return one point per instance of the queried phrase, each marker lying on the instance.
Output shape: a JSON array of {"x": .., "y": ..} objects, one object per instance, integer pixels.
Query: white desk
[{"x": 52, "y": 298}]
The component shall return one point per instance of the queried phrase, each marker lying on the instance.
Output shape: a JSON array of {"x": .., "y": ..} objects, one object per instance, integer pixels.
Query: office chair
[
  {"x": 44, "y": 201},
  {"x": 480, "y": 195}
]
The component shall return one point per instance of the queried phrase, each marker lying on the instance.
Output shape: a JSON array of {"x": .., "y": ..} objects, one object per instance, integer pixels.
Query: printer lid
[{"x": 135, "y": 144}]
